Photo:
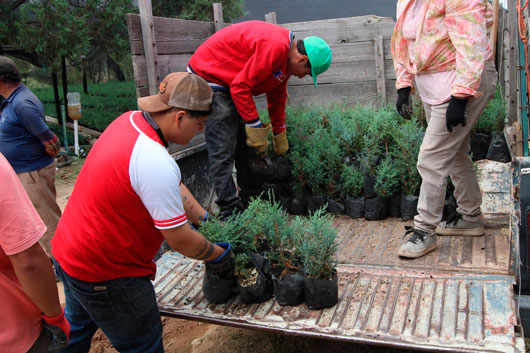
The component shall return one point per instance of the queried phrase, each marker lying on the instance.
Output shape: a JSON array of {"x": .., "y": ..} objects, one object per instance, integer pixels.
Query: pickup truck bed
[{"x": 459, "y": 297}]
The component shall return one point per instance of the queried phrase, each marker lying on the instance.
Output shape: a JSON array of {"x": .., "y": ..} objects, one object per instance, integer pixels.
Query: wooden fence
[{"x": 361, "y": 70}]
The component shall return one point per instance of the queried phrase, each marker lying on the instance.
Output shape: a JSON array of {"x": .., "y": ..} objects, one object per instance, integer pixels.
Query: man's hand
[
  {"x": 258, "y": 137},
  {"x": 456, "y": 113},
  {"x": 52, "y": 146},
  {"x": 223, "y": 265},
  {"x": 280, "y": 143},
  {"x": 60, "y": 329},
  {"x": 403, "y": 103}
]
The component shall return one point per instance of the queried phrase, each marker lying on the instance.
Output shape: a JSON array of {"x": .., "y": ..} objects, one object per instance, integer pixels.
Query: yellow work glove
[
  {"x": 280, "y": 143},
  {"x": 258, "y": 137}
]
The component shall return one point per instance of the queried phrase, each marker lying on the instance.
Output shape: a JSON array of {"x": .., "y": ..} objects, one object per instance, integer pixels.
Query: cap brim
[
  {"x": 152, "y": 104},
  {"x": 314, "y": 77}
]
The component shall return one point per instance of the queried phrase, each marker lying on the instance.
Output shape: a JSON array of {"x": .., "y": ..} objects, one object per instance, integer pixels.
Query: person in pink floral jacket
[{"x": 441, "y": 48}]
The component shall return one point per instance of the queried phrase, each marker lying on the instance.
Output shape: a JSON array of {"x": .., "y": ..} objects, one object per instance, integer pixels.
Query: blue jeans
[
  {"x": 125, "y": 309},
  {"x": 226, "y": 143}
]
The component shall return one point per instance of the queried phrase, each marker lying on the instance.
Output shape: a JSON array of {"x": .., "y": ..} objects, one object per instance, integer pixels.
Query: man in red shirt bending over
[{"x": 241, "y": 61}]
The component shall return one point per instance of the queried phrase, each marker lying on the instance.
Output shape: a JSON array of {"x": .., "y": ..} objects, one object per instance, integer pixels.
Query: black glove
[
  {"x": 456, "y": 113},
  {"x": 403, "y": 103},
  {"x": 223, "y": 265}
]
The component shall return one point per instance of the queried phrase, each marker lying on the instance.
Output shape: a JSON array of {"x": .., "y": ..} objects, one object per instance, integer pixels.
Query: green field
[{"x": 103, "y": 103}]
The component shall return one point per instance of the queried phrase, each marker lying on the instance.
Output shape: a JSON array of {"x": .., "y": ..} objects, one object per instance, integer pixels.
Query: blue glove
[
  {"x": 195, "y": 227},
  {"x": 223, "y": 265},
  {"x": 224, "y": 245}
]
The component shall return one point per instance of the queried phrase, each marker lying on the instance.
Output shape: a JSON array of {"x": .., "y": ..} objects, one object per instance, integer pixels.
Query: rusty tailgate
[{"x": 459, "y": 297}]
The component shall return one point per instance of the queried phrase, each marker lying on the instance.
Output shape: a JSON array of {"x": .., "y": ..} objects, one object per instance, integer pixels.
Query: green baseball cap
[{"x": 319, "y": 55}]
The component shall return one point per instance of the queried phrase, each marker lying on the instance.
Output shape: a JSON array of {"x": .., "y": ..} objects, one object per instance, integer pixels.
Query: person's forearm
[
  {"x": 191, "y": 244},
  {"x": 35, "y": 273},
  {"x": 194, "y": 211}
]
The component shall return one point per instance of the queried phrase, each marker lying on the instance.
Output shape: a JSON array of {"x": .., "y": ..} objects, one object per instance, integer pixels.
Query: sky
[{"x": 309, "y": 10}]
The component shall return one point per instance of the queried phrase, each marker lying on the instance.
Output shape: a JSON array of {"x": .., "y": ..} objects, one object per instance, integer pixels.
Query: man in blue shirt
[{"x": 29, "y": 145}]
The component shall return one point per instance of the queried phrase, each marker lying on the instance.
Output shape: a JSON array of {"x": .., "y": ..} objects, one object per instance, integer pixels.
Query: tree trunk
[
  {"x": 83, "y": 69},
  {"x": 65, "y": 87},
  {"x": 113, "y": 65},
  {"x": 56, "y": 97}
]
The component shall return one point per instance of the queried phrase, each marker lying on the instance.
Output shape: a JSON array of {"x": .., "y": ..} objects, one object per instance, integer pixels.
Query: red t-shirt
[
  {"x": 20, "y": 229},
  {"x": 127, "y": 190},
  {"x": 249, "y": 58}
]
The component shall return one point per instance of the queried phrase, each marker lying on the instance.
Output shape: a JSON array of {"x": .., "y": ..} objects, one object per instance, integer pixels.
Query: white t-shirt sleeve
[{"x": 155, "y": 177}]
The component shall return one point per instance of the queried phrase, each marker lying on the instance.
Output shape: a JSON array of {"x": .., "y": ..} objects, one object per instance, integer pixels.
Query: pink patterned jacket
[{"x": 454, "y": 34}]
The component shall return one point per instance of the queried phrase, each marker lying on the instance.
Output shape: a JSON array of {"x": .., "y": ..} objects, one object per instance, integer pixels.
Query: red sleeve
[
  {"x": 267, "y": 57},
  {"x": 276, "y": 100}
]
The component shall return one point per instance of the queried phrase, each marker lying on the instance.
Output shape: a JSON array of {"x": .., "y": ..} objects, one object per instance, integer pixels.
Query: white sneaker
[
  {"x": 418, "y": 244},
  {"x": 457, "y": 225}
]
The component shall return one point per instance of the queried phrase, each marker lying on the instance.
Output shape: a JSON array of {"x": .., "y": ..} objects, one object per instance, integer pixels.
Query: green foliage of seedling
[
  {"x": 408, "y": 138},
  {"x": 317, "y": 246},
  {"x": 387, "y": 179},
  {"x": 492, "y": 120},
  {"x": 352, "y": 181}
]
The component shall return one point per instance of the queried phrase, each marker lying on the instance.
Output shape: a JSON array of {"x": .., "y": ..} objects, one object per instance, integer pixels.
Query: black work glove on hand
[
  {"x": 456, "y": 113},
  {"x": 403, "y": 103},
  {"x": 222, "y": 266}
]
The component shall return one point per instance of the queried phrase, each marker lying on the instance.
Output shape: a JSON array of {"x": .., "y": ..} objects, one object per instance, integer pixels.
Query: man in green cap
[{"x": 239, "y": 62}]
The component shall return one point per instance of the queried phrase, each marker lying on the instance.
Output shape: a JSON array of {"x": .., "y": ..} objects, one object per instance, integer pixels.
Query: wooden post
[
  {"x": 512, "y": 64},
  {"x": 218, "y": 16},
  {"x": 148, "y": 35},
  {"x": 271, "y": 17},
  {"x": 380, "y": 67},
  {"x": 493, "y": 34}
]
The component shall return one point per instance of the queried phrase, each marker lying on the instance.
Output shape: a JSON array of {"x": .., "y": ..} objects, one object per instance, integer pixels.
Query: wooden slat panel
[
  {"x": 344, "y": 30},
  {"x": 172, "y": 35},
  {"x": 166, "y": 65}
]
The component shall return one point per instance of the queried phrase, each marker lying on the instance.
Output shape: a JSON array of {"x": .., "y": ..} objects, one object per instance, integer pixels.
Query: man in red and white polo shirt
[{"x": 127, "y": 199}]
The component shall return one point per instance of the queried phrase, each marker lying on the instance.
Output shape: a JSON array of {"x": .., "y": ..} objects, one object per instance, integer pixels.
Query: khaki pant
[
  {"x": 40, "y": 187},
  {"x": 444, "y": 154}
]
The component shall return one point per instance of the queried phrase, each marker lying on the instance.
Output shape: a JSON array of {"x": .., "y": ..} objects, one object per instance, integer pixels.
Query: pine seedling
[
  {"x": 387, "y": 178},
  {"x": 318, "y": 247}
]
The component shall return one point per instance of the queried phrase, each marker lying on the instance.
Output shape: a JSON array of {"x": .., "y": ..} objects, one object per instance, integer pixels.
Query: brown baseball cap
[{"x": 180, "y": 90}]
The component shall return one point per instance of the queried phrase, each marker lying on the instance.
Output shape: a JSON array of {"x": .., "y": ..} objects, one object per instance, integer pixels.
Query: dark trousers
[
  {"x": 125, "y": 309},
  {"x": 226, "y": 143}
]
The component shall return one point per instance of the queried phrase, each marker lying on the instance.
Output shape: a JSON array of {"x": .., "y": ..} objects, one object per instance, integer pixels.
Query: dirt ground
[{"x": 185, "y": 336}]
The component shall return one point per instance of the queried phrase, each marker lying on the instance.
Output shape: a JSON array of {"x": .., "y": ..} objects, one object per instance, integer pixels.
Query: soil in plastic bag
[
  {"x": 498, "y": 150},
  {"x": 216, "y": 289},
  {"x": 369, "y": 182},
  {"x": 314, "y": 202},
  {"x": 263, "y": 288},
  {"x": 285, "y": 202},
  {"x": 394, "y": 206},
  {"x": 319, "y": 294},
  {"x": 355, "y": 206},
  {"x": 409, "y": 206},
  {"x": 479, "y": 146},
  {"x": 282, "y": 169},
  {"x": 376, "y": 208},
  {"x": 289, "y": 290},
  {"x": 334, "y": 206},
  {"x": 298, "y": 206}
]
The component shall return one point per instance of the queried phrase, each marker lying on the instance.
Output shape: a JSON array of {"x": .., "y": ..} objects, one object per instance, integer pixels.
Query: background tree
[{"x": 200, "y": 10}]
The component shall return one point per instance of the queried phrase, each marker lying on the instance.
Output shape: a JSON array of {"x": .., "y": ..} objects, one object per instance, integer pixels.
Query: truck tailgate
[
  {"x": 384, "y": 306},
  {"x": 459, "y": 297}
]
